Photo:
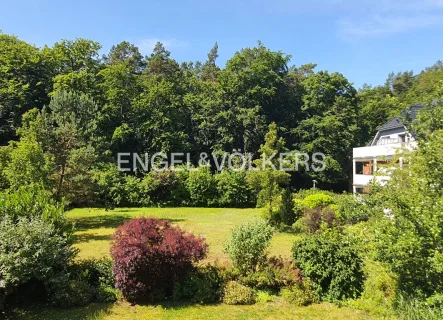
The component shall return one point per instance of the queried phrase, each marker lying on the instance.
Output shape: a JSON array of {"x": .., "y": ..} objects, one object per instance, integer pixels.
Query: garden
[{"x": 81, "y": 239}]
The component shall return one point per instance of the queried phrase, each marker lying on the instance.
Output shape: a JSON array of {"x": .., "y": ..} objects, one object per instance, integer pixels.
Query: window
[
  {"x": 359, "y": 167},
  {"x": 402, "y": 138}
]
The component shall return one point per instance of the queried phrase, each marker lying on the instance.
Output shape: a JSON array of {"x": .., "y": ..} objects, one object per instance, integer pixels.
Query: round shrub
[
  {"x": 247, "y": 245},
  {"x": 31, "y": 250},
  {"x": 236, "y": 293},
  {"x": 317, "y": 200},
  {"x": 150, "y": 255},
  {"x": 333, "y": 264},
  {"x": 300, "y": 294}
]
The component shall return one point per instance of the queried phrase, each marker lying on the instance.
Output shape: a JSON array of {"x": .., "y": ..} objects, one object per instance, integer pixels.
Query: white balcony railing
[
  {"x": 365, "y": 179},
  {"x": 384, "y": 141},
  {"x": 379, "y": 151}
]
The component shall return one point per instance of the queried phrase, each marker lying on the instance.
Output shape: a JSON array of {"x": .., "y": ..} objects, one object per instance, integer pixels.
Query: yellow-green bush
[
  {"x": 300, "y": 294},
  {"x": 318, "y": 200},
  {"x": 236, "y": 293},
  {"x": 379, "y": 290}
]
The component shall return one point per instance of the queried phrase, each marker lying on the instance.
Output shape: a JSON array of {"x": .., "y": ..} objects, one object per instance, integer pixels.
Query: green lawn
[
  {"x": 93, "y": 236},
  {"x": 96, "y": 226}
]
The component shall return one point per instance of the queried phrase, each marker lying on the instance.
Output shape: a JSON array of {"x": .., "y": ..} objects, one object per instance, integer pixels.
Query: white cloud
[
  {"x": 384, "y": 25},
  {"x": 385, "y": 17},
  {"x": 147, "y": 45}
]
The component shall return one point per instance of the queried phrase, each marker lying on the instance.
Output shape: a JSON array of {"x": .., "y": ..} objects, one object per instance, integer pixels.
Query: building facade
[{"x": 369, "y": 161}]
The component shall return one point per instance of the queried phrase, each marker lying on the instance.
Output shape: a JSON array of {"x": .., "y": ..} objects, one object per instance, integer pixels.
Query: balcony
[
  {"x": 365, "y": 179},
  {"x": 382, "y": 150}
]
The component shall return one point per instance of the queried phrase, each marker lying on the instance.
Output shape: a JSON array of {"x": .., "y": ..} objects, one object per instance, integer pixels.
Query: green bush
[
  {"x": 236, "y": 293},
  {"x": 274, "y": 275},
  {"x": 201, "y": 187},
  {"x": 318, "y": 200},
  {"x": 298, "y": 208},
  {"x": 31, "y": 250},
  {"x": 414, "y": 309},
  {"x": 247, "y": 245},
  {"x": 333, "y": 264},
  {"x": 264, "y": 296},
  {"x": 435, "y": 301},
  {"x": 286, "y": 208},
  {"x": 32, "y": 202},
  {"x": 85, "y": 281},
  {"x": 379, "y": 290},
  {"x": 167, "y": 187},
  {"x": 116, "y": 189},
  {"x": 352, "y": 209},
  {"x": 300, "y": 294},
  {"x": 201, "y": 286},
  {"x": 72, "y": 293},
  {"x": 98, "y": 274},
  {"x": 318, "y": 218},
  {"x": 5, "y": 158},
  {"x": 233, "y": 190},
  {"x": 300, "y": 226}
]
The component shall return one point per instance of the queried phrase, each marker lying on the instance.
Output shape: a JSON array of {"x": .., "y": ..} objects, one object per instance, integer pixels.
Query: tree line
[{"x": 66, "y": 111}]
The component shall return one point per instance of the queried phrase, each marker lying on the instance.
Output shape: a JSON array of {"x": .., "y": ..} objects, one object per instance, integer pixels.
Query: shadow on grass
[
  {"x": 106, "y": 221},
  {"x": 102, "y": 221},
  {"x": 86, "y": 237},
  {"x": 90, "y": 311}
]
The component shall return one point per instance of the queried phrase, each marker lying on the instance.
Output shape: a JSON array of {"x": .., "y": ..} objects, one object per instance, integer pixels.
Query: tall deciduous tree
[
  {"x": 329, "y": 125},
  {"x": 23, "y": 80}
]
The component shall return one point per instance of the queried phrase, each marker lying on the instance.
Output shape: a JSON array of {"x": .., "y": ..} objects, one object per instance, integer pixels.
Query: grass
[
  {"x": 270, "y": 310},
  {"x": 93, "y": 237},
  {"x": 96, "y": 226}
]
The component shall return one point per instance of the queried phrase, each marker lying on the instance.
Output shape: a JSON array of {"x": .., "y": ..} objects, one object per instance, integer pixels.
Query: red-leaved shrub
[{"x": 150, "y": 255}]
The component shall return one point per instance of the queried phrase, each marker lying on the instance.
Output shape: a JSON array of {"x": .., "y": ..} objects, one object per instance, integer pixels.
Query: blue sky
[{"x": 364, "y": 40}]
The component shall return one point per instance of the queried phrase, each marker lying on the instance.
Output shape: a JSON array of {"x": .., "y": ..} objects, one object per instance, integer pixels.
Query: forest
[{"x": 66, "y": 111}]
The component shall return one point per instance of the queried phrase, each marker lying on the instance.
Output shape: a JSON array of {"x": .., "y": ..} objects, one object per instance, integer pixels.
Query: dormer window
[{"x": 402, "y": 138}]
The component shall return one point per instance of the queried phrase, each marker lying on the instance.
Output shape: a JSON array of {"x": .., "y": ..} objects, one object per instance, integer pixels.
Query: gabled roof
[{"x": 408, "y": 114}]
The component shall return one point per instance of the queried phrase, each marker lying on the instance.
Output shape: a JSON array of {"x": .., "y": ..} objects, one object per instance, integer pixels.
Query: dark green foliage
[
  {"x": 72, "y": 293},
  {"x": 167, "y": 187},
  {"x": 233, "y": 190},
  {"x": 236, "y": 293},
  {"x": 201, "y": 187},
  {"x": 286, "y": 208},
  {"x": 86, "y": 281},
  {"x": 116, "y": 189},
  {"x": 44, "y": 253},
  {"x": 332, "y": 262},
  {"x": 204, "y": 285}
]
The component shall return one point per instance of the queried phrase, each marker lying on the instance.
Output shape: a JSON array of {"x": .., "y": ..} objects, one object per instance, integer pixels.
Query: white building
[{"x": 390, "y": 137}]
